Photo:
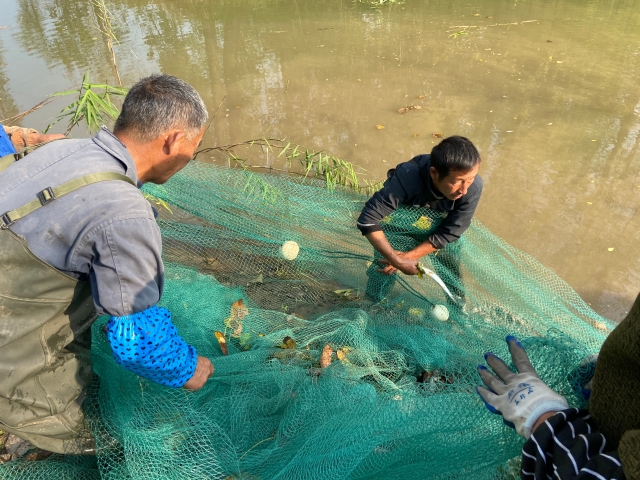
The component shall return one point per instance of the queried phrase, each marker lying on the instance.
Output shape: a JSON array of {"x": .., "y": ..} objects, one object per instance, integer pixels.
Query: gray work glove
[{"x": 521, "y": 398}]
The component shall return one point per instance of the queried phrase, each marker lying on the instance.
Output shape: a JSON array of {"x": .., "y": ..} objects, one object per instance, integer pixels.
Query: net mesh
[{"x": 398, "y": 398}]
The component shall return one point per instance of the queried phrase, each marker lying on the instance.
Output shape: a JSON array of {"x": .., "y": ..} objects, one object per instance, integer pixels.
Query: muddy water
[{"x": 547, "y": 90}]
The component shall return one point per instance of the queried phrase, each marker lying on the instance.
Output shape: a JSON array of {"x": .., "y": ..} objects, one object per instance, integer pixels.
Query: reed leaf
[{"x": 94, "y": 105}]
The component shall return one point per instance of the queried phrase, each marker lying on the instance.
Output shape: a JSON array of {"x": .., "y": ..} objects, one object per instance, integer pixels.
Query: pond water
[{"x": 547, "y": 90}]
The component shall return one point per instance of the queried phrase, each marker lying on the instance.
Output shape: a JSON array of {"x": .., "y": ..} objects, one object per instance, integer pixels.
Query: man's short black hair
[{"x": 454, "y": 153}]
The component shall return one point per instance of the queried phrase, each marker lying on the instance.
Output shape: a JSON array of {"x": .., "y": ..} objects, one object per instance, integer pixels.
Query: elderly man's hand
[
  {"x": 521, "y": 398},
  {"x": 204, "y": 369}
]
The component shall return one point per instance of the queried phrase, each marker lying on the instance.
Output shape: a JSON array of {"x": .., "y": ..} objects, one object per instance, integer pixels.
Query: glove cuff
[{"x": 555, "y": 405}]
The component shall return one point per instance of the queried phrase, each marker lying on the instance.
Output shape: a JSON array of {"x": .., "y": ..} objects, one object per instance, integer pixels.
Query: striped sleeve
[{"x": 568, "y": 447}]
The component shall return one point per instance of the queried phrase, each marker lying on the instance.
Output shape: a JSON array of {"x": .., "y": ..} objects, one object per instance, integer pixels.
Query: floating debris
[{"x": 406, "y": 108}]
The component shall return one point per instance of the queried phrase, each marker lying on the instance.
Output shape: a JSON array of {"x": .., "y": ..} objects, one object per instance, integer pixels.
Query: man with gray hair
[{"x": 77, "y": 240}]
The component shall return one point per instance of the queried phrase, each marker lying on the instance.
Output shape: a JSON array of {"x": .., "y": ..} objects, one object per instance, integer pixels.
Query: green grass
[{"x": 299, "y": 161}]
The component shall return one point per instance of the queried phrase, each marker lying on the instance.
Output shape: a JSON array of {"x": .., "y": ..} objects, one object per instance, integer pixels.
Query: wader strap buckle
[
  {"x": 6, "y": 221},
  {"x": 51, "y": 193},
  {"x": 46, "y": 196}
]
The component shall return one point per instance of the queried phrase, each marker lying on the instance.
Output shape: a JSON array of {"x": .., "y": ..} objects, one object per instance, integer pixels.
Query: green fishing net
[{"x": 397, "y": 399}]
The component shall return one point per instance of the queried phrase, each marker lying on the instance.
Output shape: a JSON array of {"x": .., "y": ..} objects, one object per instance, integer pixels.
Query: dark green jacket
[{"x": 615, "y": 401}]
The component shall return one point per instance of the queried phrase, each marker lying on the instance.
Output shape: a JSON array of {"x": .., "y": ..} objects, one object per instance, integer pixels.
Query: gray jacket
[{"x": 105, "y": 232}]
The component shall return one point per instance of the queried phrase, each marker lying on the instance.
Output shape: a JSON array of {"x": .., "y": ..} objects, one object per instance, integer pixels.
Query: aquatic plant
[
  {"x": 94, "y": 105},
  {"x": 300, "y": 161}
]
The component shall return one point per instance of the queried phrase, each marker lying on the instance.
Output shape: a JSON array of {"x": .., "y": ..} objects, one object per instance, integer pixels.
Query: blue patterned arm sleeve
[{"x": 147, "y": 343}]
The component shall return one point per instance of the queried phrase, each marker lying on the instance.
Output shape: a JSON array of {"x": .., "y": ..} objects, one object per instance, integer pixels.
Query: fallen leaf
[
  {"x": 288, "y": 343},
  {"x": 342, "y": 353},
  {"x": 468, "y": 124},
  {"x": 476, "y": 14},
  {"x": 344, "y": 294},
  {"x": 421, "y": 96},
  {"x": 438, "y": 135},
  {"x": 610, "y": 249},
  {"x": 236, "y": 314},
  {"x": 325, "y": 358},
  {"x": 415, "y": 135},
  {"x": 223, "y": 343},
  {"x": 560, "y": 61},
  {"x": 379, "y": 127},
  {"x": 238, "y": 106},
  {"x": 400, "y": 305},
  {"x": 589, "y": 203},
  {"x": 403, "y": 110}
]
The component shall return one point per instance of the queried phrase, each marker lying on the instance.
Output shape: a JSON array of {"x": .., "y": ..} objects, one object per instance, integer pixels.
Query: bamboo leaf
[
  {"x": 284, "y": 149},
  {"x": 66, "y": 92}
]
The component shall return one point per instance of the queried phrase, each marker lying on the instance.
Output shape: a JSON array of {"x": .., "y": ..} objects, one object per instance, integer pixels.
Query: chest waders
[{"x": 45, "y": 338}]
